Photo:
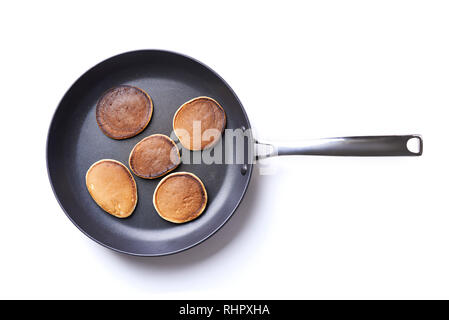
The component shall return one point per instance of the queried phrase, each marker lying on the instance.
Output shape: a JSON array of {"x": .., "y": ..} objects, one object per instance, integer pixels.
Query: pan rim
[{"x": 50, "y": 129}]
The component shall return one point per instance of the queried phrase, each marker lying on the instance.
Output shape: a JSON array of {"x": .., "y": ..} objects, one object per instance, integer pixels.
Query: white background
[{"x": 319, "y": 227}]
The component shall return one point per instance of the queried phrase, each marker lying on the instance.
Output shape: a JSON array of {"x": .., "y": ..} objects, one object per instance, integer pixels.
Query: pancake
[
  {"x": 154, "y": 156},
  {"x": 194, "y": 118},
  {"x": 180, "y": 197},
  {"x": 112, "y": 187},
  {"x": 124, "y": 111}
]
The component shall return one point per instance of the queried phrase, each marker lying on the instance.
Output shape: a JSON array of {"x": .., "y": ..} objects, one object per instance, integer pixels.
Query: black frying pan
[{"x": 75, "y": 142}]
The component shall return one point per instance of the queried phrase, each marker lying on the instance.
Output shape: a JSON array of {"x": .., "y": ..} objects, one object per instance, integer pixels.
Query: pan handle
[{"x": 362, "y": 146}]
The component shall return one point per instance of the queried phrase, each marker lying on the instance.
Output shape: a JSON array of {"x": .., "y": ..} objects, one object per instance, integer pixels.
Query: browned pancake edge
[
  {"x": 117, "y": 137},
  {"x": 194, "y": 215},
  {"x": 131, "y": 179},
  {"x": 160, "y": 174},
  {"x": 190, "y": 101}
]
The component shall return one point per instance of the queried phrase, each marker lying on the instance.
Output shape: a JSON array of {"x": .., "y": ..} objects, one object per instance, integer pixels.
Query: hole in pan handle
[{"x": 360, "y": 146}]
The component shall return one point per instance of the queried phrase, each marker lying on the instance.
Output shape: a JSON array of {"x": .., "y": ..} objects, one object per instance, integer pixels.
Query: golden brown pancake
[
  {"x": 199, "y": 123},
  {"x": 112, "y": 187},
  {"x": 180, "y": 197},
  {"x": 124, "y": 111},
  {"x": 154, "y": 156}
]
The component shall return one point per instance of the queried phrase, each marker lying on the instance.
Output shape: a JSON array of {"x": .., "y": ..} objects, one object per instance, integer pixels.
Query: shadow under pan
[{"x": 75, "y": 142}]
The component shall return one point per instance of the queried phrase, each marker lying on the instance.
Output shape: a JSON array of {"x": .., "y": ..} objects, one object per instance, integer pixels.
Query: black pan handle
[{"x": 364, "y": 146}]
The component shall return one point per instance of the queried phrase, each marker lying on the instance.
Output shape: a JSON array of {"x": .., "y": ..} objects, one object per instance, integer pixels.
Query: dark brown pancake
[
  {"x": 112, "y": 187},
  {"x": 180, "y": 197},
  {"x": 154, "y": 156},
  {"x": 124, "y": 111},
  {"x": 207, "y": 115}
]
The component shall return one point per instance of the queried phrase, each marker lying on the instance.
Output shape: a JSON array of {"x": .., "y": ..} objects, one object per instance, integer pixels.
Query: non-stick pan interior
[{"x": 75, "y": 142}]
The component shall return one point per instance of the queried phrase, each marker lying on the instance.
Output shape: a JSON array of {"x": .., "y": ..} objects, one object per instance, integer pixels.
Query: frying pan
[{"x": 75, "y": 142}]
